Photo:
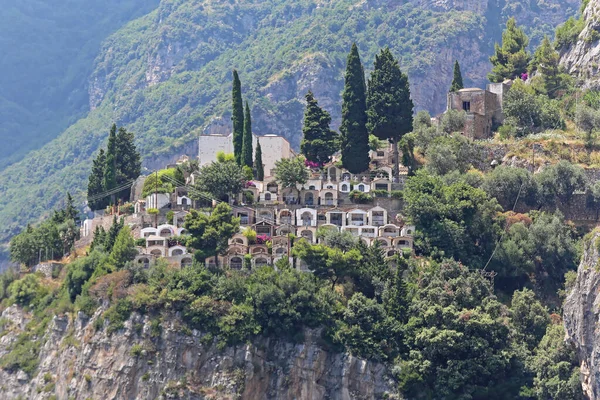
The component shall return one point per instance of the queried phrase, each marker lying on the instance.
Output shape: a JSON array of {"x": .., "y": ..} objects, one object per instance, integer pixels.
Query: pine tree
[
  {"x": 319, "y": 142},
  {"x": 128, "y": 162},
  {"x": 237, "y": 117},
  {"x": 389, "y": 107},
  {"x": 96, "y": 182},
  {"x": 259, "y": 169},
  {"x": 355, "y": 137},
  {"x": 457, "y": 81},
  {"x": 247, "y": 139},
  {"x": 510, "y": 60},
  {"x": 110, "y": 167},
  {"x": 546, "y": 62}
]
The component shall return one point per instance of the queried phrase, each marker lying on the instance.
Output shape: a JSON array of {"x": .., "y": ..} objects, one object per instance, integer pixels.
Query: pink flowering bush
[
  {"x": 312, "y": 164},
  {"x": 262, "y": 239}
]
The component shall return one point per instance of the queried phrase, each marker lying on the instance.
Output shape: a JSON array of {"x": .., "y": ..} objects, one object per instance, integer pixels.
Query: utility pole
[{"x": 156, "y": 199}]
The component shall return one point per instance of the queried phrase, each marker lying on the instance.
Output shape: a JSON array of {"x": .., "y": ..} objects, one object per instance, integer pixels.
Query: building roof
[
  {"x": 472, "y": 90},
  {"x": 154, "y": 237}
]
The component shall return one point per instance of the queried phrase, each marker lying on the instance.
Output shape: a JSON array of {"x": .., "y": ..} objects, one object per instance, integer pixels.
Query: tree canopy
[
  {"x": 291, "y": 171},
  {"x": 510, "y": 59},
  {"x": 319, "y": 142}
]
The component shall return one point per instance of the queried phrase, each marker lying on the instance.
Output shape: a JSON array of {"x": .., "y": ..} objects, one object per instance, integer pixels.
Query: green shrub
[
  {"x": 380, "y": 193},
  {"x": 141, "y": 242},
  {"x": 136, "y": 350},
  {"x": 359, "y": 197},
  {"x": 117, "y": 314},
  {"x": 170, "y": 216},
  {"x": 567, "y": 33},
  {"x": 397, "y": 194},
  {"x": 26, "y": 290}
]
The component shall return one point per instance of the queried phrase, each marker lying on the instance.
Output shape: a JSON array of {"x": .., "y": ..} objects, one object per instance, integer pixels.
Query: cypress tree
[
  {"x": 457, "y": 81},
  {"x": 247, "y": 142},
  {"x": 510, "y": 60},
  {"x": 259, "y": 169},
  {"x": 128, "y": 161},
  {"x": 389, "y": 107},
  {"x": 355, "y": 137},
  {"x": 110, "y": 167},
  {"x": 318, "y": 142},
  {"x": 237, "y": 115},
  {"x": 96, "y": 181},
  {"x": 70, "y": 210}
]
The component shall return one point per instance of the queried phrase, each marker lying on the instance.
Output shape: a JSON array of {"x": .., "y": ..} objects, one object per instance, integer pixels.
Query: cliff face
[
  {"x": 581, "y": 313},
  {"x": 142, "y": 362},
  {"x": 582, "y": 59}
]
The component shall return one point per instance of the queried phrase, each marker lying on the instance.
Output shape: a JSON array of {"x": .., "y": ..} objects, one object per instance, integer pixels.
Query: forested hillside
[
  {"x": 48, "y": 49},
  {"x": 166, "y": 76}
]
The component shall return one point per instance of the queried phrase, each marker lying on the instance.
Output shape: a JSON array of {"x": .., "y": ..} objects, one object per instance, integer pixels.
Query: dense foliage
[
  {"x": 49, "y": 240},
  {"x": 511, "y": 58}
]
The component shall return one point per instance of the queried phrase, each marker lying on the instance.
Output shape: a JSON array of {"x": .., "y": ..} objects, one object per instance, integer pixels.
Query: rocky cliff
[
  {"x": 80, "y": 360},
  {"x": 582, "y": 58},
  {"x": 581, "y": 314}
]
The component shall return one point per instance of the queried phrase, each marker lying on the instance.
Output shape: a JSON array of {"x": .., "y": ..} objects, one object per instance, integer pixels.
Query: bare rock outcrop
[
  {"x": 141, "y": 361},
  {"x": 582, "y": 313},
  {"x": 582, "y": 59}
]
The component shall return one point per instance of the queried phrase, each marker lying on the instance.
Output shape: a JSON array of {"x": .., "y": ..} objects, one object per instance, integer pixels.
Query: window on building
[
  {"x": 467, "y": 106},
  {"x": 380, "y": 154}
]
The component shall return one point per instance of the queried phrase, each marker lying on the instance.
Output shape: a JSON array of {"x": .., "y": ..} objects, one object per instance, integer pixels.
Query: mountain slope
[
  {"x": 166, "y": 76},
  {"x": 47, "y": 52}
]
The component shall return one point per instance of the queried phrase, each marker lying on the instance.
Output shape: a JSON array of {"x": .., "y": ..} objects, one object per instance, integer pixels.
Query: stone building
[
  {"x": 273, "y": 148},
  {"x": 482, "y": 106}
]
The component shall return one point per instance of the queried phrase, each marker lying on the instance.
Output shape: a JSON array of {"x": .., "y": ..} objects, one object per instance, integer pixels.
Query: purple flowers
[
  {"x": 250, "y": 184},
  {"x": 524, "y": 76}
]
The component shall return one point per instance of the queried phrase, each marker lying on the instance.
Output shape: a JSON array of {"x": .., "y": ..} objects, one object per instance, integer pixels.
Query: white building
[{"x": 273, "y": 148}]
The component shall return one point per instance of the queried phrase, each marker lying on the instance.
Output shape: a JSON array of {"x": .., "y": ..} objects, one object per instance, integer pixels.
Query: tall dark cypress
[
  {"x": 247, "y": 139},
  {"x": 96, "y": 182},
  {"x": 457, "y": 81},
  {"x": 389, "y": 107},
  {"x": 259, "y": 169},
  {"x": 237, "y": 115},
  {"x": 110, "y": 167},
  {"x": 128, "y": 162},
  {"x": 319, "y": 142},
  {"x": 355, "y": 137}
]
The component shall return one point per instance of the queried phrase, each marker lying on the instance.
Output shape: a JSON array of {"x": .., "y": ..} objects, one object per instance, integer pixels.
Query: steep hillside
[
  {"x": 581, "y": 50},
  {"x": 48, "y": 49},
  {"x": 167, "y": 76}
]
